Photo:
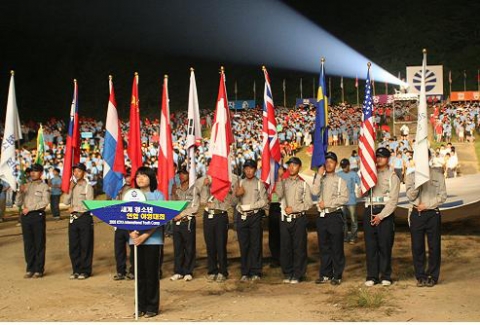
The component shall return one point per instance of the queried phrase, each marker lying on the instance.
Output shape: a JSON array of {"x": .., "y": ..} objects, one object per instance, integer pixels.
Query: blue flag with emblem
[{"x": 320, "y": 139}]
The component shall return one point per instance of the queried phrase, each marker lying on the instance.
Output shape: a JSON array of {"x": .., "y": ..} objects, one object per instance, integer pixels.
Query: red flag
[
  {"x": 72, "y": 148},
  {"x": 134, "y": 144},
  {"x": 220, "y": 142},
  {"x": 165, "y": 155}
]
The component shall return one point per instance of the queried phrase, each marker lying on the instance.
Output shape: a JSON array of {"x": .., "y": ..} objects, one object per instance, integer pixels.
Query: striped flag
[
  {"x": 320, "y": 138},
  {"x": 220, "y": 141},
  {"x": 12, "y": 133},
  {"x": 72, "y": 148},
  {"x": 420, "y": 153},
  {"x": 194, "y": 132},
  {"x": 271, "y": 155},
  {"x": 40, "y": 158},
  {"x": 368, "y": 169},
  {"x": 166, "y": 170},
  {"x": 113, "y": 157},
  {"x": 134, "y": 143}
]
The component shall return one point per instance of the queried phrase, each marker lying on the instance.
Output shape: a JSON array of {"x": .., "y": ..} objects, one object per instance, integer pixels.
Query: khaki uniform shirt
[
  {"x": 332, "y": 190},
  {"x": 432, "y": 193},
  {"x": 255, "y": 196},
  {"x": 206, "y": 196},
  {"x": 81, "y": 191},
  {"x": 295, "y": 192},
  {"x": 192, "y": 195},
  {"x": 388, "y": 186},
  {"x": 36, "y": 197}
]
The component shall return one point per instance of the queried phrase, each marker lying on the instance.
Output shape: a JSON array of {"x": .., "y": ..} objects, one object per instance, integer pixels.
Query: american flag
[
  {"x": 270, "y": 147},
  {"x": 368, "y": 169}
]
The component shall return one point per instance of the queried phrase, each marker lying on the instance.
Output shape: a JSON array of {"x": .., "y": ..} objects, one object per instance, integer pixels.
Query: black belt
[
  {"x": 186, "y": 218},
  {"x": 426, "y": 210},
  {"x": 35, "y": 211},
  {"x": 215, "y": 211},
  {"x": 295, "y": 215}
]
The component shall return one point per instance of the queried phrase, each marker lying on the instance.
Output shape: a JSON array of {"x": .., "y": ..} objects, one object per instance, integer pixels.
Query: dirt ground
[{"x": 99, "y": 298}]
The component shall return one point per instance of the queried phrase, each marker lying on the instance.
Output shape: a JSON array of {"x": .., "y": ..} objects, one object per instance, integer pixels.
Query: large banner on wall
[
  {"x": 460, "y": 96},
  {"x": 433, "y": 79}
]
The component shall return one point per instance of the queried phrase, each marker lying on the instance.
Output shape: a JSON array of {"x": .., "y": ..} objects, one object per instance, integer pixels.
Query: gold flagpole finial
[
  {"x": 136, "y": 74},
  {"x": 12, "y": 73},
  {"x": 369, "y": 64},
  {"x": 322, "y": 60},
  {"x": 192, "y": 69},
  {"x": 110, "y": 77},
  {"x": 424, "y": 51},
  {"x": 166, "y": 76},
  {"x": 75, "y": 80},
  {"x": 222, "y": 69},
  {"x": 263, "y": 68}
]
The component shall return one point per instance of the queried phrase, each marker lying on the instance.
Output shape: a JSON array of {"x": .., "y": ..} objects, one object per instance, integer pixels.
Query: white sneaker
[
  {"x": 286, "y": 280},
  {"x": 256, "y": 278},
  {"x": 294, "y": 281},
  {"x": 188, "y": 277},
  {"x": 244, "y": 278},
  {"x": 369, "y": 283},
  {"x": 386, "y": 283},
  {"x": 221, "y": 278},
  {"x": 211, "y": 277},
  {"x": 176, "y": 277}
]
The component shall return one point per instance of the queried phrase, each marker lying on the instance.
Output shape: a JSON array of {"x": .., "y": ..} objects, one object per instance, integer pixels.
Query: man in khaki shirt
[
  {"x": 215, "y": 227},
  {"x": 378, "y": 222},
  {"x": 296, "y": 198},
  {"x": 33, "y": 198},
  {"x": 333, "y": 193},
  {"x": 80, "y": 229},
  {"x": 425, "y": 221},
  {"x": 253, "y": 200},
  {"x": 184, "y": 228}
]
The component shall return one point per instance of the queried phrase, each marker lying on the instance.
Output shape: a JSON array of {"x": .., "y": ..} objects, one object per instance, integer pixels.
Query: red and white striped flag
[
  {"x": 165, "y": 170},
  {"x": 220, "y": 141},
  {"x": 368, "y": 168},
  {"x": 271, "y": 155}
]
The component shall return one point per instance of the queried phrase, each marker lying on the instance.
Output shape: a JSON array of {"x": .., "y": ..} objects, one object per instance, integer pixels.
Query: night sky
[{"x": 48, "y": 43}]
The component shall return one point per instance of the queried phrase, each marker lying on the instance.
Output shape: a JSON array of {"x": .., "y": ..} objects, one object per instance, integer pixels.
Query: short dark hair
[{"x": 150, "y": 173}]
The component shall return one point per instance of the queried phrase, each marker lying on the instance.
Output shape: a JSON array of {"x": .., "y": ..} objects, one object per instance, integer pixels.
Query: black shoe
[
  {"x": 421, "y": 283},
  {"x": 336, "y": 282},
  {"x": 322, "y": 280},
  {"x": 28, "y": 275},
  {"x": 140, "y": 314},
  {"x": 118, "y": 276},
  {"x": 149, "y": 314},
  {"x": 130, "y": 276},
  {"x": 37, "y": 275},
  {"x": 430, "y": 282}
]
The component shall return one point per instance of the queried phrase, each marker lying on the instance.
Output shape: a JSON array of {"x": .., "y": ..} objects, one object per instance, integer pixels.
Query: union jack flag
[
  {"x": 271, "y": 156},
  {"x": 368, "y": 169}
]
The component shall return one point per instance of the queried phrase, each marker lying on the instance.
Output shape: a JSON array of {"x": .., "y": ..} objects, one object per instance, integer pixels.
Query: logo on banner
[{"x": 430, "y": 80}]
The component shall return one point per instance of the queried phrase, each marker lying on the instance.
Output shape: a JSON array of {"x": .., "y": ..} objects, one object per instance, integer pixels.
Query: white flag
[
  {"x": 194, "y": 128},
  {"x": 420, "y": 154},
  {"x": 12, "y": 133}
]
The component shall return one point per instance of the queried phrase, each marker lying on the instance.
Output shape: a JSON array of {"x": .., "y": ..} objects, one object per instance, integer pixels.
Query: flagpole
[
  {"x": 284, "y": 93},
  {"x": 358, "y": 97},
  {"x": 343, "y": 92},
  {"x": 450, "y": 82},
  {"x": 330, "y": 87},
  {"x": 301, "y": 88},
  {"x": 371, "y": 189},
  {"x": 254, "y": 89},
  {"x": 236, "y": 91},
  {"x": 313, "y": 94},
  {"x": 135, "y": 263},
  {"x": 478, "y": 80},
  {"x": 464, "y": 80}
]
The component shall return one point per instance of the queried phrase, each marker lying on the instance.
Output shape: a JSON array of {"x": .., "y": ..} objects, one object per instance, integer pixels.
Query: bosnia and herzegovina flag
[
  {"x": 113, "y": 159},
  {"x": 320, "y": 139}
]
